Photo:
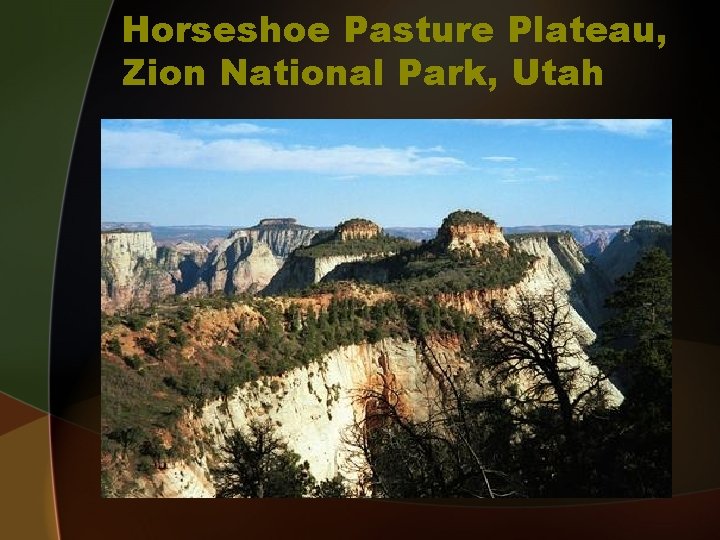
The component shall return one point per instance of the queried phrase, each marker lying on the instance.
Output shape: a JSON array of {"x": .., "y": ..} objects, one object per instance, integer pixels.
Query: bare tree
[
  {"x": 447, "y": 449},
  {"x": 536, "y": 351}
]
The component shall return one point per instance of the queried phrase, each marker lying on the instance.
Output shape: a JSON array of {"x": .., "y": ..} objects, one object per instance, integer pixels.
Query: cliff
[
  {"x": 136, "y": 272},
  {"x": 315, "y": 408},
  {"x": 562, "y": 263},
  {"x": 238, "y": 264},
  {"x": 282, "y": 240},
  {"x": 628, "y": 246},
  {"x": 357, "y": 228},
  {"x": 131, "y": 273},
  {"x": 351, "y": 241},
  {"x": 300, "y": 272},
  {"x": 248, "y": 258},
  {"x": 469, "y": 232}
]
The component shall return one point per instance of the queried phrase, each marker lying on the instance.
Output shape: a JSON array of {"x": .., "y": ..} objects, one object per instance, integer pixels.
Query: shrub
[{"x": 115, "y": 347}]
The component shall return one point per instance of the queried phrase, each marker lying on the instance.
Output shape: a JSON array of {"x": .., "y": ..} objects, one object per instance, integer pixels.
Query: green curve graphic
[{"x": 47, "y": 49}]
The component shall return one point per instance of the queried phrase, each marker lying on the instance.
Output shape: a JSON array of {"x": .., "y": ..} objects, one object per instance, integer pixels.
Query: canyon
[{"x": 317, "y": 404}]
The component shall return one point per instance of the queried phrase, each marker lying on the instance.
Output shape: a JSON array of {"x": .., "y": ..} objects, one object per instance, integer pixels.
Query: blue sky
[{"x": 395, "y": 172}]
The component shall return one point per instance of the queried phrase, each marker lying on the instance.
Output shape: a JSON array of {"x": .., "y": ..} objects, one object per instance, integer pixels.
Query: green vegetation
[
  {"x": 428, "y": 270},
  {"x": 356, "y": 222},
  {"x": 571, "y": 444},
  {"x": 463, "y": 217},
  {"x": 332, "y": 246},
  {"x": 635, "y": 441},
  {"x": 149, "y": 392},
  {"x": 260, "y": 465}
]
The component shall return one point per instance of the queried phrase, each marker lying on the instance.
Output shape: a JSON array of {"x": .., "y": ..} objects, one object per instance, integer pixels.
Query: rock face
[
  {"x": 248, "y": 259},
  {"x": 586, "y": 235},
  {"x": 357, "y": 228},
  {"x": 314, "y": 409},
  {"x": 238, "y": 264},
  {"x": 131, "y": 272},
  {"x": 597, "y": 246},
  {"x": 561, "y": 262},
  {"x": 628, "y": 246},
  {"x": 299, "y": 272},
  {"x": 469, "y": 231},
  {"x": 282, "y": 239},
  {"x": 303, "y": 269},
  {"x": 184, "y": 260},
  {"x": 136, "y": 272}
]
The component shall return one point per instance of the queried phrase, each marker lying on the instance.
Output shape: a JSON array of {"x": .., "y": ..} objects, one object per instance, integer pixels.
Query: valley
[{"x": 351, "y": 345}]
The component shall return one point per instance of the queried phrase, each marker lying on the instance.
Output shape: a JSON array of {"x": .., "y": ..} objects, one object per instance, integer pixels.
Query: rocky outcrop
[
  {"x": 136, "y": 272},
  {"x": 470, "y": 232},
  {"x": 586, "y": 235},
  {"x": 247, "y": 259},
  {"x": 285, "y": 222},
  {"x": 561, "y": 263},
  {"x": 238, "y": 264},
  {"x": 315, "y": 409},
  {"x": 300, "y": 272},
  {"x": 628, "y": 246},
  {"x": 131, "y": 272},
  {"x": 184, "y": 260},
  {"x": 329, "y": 251},
  {"x": 596, "y": 247},
  {"x": 282, "y": 242},
  {"x": 357, "y": 228}
]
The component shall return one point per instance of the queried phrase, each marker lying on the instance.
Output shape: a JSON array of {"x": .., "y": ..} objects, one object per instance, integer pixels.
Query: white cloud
[
  {"x": 236, "y": 128},
  {"x": 499, "y": 159},
  {"x": 520, "y": 175},
  {"x": 624, "y": 126},
  {"x": 155, "y": 149}
]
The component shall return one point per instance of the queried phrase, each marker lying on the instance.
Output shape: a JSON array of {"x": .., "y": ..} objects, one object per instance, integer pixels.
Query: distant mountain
[
  {"x": 413, "y": 233},
  {"x": 134, "y": 226},
  {"x": 629, "y": 245},
  {"x": 197, "y": 234},
  {"x": 593, "y": 238}
]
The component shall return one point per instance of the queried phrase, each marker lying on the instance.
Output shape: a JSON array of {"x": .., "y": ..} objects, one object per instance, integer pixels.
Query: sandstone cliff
[
  {"x": 301, "y": 271},
  {"x": 314, "y": 409},
  {"x": 238, "y": 264},
  {"x": 351, "y": 241},
  {"x": 357, "y": 229},
  {"x": 131, "y": 273},
  {"x": 625, "y": 250},
  {"x": 562, "y": 262},
  {"x": 136, "y": 272},
  {"x": 248, "y": 259},
  {"x": 282, "y": 235},
  {"x": 469, "y": 231}
]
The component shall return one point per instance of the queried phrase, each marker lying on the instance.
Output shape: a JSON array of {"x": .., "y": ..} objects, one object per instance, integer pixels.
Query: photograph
[{"x": 386, "y": 308}]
